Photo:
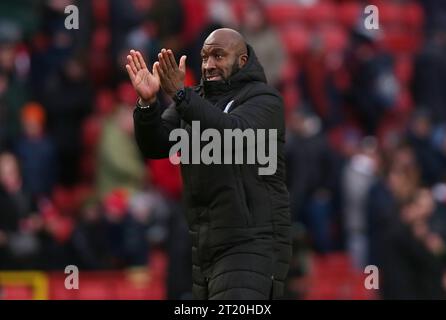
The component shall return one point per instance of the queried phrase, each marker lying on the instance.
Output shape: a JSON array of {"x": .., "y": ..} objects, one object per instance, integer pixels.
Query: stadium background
[{"x": 366, "y": 145}]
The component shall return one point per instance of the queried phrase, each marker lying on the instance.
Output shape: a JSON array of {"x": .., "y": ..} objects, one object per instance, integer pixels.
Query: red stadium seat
[
  {"x": 195, "y": 11},
  {"x": 404, "y": 104},
  {"x": 128, "y": 290},
  {"x": 335, "y": 38},
  {"x": 296, "y": 39},
  {"x": 57, "y": 290},
  {"x": 166, "y": 177},
  {"x": 413, "y": 16},
  {"x": 100, "y": 10},
  {"x": 16, "y": 292},
  {"x": 404, "y": 68},
  {"x": 321, "y": 13},
  {"x": 91, "y": 131},
  {"x": 399, "y": 41},
  {"x": 390, "y": 13},
  {"x": 285, "y": 13},
  {"x": 94, "y": 288},
  {"x": 349, "y": 13},
  {"x": 291, "y": 98},
  {"x": 333, "y": 277}
]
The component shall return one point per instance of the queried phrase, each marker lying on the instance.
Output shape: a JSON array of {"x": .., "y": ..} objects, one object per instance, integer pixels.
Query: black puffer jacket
[{"x": 239, "y": 220}]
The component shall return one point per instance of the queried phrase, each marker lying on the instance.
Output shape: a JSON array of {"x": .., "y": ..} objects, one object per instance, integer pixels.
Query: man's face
[{"x": 218, "y": 63}]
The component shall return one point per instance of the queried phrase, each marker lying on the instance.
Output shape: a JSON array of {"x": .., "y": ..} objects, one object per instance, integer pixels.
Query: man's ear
[{"x": 242, "y": 60}]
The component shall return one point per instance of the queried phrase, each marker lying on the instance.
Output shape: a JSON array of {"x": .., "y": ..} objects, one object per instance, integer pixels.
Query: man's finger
[
  {"x": 130, "y": 72},
  {"x": 141, "y": 60},
  {"x": 135, "y": 59},
  {"x": 183, "y": 63},
  {"x": 164, "y": 80},
  {"x": 161, "y": 73},
  {"x": 155, "y": 70},
  {"x": 162, "y": 63},
  {"x": 172, "y": 59},
  {"x": 167, "y": 60},
  {"x": 132, "y": 64}
]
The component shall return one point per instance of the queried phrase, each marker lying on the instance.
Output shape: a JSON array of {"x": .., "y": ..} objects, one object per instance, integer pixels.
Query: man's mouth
[{"x": 213, "y": 77}]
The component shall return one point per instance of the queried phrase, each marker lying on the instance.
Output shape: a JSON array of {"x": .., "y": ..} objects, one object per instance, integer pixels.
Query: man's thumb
[{"x": 183, "y": 63}]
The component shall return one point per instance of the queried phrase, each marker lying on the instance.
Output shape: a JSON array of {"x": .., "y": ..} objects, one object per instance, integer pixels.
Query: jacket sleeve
[
  {"x": 261, "y": 111},
  {"x": 152, "y": 129}
]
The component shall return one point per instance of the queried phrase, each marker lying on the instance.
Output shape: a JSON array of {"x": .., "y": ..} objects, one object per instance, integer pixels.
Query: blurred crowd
[{"x": 366, "y": 133}]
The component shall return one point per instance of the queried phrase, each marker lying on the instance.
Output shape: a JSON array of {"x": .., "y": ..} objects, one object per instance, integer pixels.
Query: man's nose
[{"x": 209, "y": 64}]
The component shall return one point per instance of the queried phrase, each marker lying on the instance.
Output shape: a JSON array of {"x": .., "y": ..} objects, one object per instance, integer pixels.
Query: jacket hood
[{"x": 251, "y": 71}]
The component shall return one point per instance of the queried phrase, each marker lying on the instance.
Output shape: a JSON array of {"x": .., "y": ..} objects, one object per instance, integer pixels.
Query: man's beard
[{"x": 235, "y": 68}]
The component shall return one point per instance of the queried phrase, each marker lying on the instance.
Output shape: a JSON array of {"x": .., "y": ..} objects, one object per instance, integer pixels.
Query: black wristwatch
[{"x": 179, "y": 96}]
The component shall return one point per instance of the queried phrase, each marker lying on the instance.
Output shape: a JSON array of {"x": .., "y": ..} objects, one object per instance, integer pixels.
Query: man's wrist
[
  {"x": 142, "y": 103},
  {"x": 179, "y": 95},
  {"x": 175, "y": 92}
]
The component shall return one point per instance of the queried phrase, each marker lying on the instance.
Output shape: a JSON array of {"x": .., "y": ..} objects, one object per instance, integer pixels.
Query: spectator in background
[
  {"x": 321, "y": 81},
  {"x": 124, "y": 16},
  {"x": 412, "y": 266},
  {"x": 36, "y": 153},
  {"x": 134, "y": 26},
  {"x": 4, "y": 134},
  {"x": 439, "y": 142},
  {"x": 263, "y": 38},
  {"x": 419, "y": 136},
  {"x": 16, "y": 202},
  {"x": 67, "y": 101},
  {"x": 89, "y": 239},
  {"x": 105, "y": 103},
  {"x": 165, "y": 227},
  {"x": 168, "y": 18},
  {"x": 119, "y": 163},
  {"x": 13, "y": 87},
  {"x": 125, "y": 235},
  {"x": 10, "y": 184},
  {"x": 435, "y": 12},
  {"x": 143, "y": 24},
  {"x": 374, "y": 86},
  {"x": 398, "y": 183},
  {"x": 358, "y": 176},
  {"x": 18, "y": 244},
  {"x": 310, "y": 173},
  {"x": 429, "y": 82},
  {"x": 53, "y": 44},
  {"x": 179, "y": 279}
]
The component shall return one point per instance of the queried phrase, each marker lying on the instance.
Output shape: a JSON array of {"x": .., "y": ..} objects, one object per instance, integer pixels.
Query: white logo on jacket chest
[{"x": 228, "y": 106}]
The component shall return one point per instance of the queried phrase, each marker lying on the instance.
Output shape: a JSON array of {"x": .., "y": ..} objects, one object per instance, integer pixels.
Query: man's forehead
[
  {"x": 215, "y": 43},
  {"x": 220, "y": 38},
  {"x": 213, "y": 47},
  {"x": 224, "y": 39}
]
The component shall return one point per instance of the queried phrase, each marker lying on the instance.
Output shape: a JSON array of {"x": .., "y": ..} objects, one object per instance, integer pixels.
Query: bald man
[{"x": 238, "y": 220}]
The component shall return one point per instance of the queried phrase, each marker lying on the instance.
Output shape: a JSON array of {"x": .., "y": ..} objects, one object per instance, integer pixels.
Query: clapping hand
[
  {"x": 171, "y": 74},
  {"x": 146, "y": 84}
]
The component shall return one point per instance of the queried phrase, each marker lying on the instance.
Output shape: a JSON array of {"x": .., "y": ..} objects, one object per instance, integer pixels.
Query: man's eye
[
  {"x": 204, "y": 58},
  {"x": 218, "y": 57}
]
